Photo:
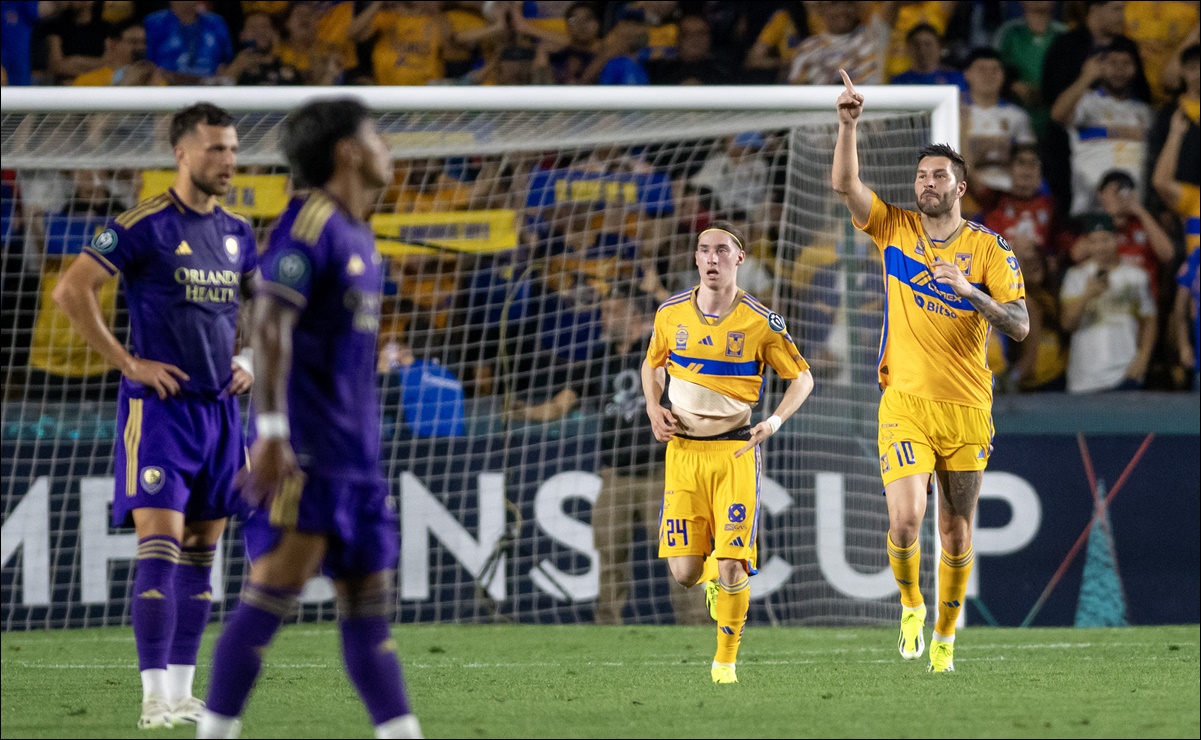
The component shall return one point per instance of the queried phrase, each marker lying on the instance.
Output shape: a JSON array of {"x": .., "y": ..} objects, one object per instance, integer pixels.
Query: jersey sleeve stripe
[
  {"x": 112, "y": 269},
  {"x": 142, "y": 210},
  {"x": 236, "y": 216},
  {"x": 757, "y": 309},
  {"x": 673, "y": 302},
  {"x": 284, "y": 293},
  {"x": 310, "y": 222},
  {"x": 702, "y": 366}
]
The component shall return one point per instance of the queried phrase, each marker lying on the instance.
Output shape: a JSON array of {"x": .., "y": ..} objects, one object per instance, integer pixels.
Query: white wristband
[
  {"x": 272, "y": 425},
  {"x": 774, "y": 422},
  {"x": 245, "y": 360}
]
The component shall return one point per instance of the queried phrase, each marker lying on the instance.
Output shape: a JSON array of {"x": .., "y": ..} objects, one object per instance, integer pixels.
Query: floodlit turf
[{"x": 583, "y": 681}]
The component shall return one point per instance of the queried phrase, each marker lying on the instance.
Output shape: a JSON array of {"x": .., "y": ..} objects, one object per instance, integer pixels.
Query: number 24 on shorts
[
  {"x": 677, "y": 528},
  {"x": 904, "y": 454}
]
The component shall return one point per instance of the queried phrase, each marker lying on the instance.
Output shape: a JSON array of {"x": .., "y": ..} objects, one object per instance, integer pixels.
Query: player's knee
[
  {"x": 904, "y": 531},
  {"x": 687, "y": 573},
  {"x": 731, "y": 571},
  {"x": 368, "y": 598},
  {"x": 957, "y": 540}
]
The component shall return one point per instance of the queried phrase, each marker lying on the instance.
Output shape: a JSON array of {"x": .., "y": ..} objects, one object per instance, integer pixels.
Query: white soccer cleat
[
  {"x": 404, "y": 726},
  {"x": 213, "y": 725},
  {"x": 156, "y": 714},
  {"x": 189, "y": 709}
]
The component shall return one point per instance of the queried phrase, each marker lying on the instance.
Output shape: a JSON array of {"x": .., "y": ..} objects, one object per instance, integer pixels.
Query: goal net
[{"x": 527, "y": 233}]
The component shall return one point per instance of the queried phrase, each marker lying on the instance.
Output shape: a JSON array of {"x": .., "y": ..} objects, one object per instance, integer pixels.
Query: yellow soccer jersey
[
  {"x": 1189, "y": 208},
  {"x": 725, "y": 354},
  {"x": 933, "y": 342}
]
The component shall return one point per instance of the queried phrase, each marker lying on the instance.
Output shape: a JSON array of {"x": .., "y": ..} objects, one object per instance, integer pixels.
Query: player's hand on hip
[
  {"x": 663, "y": 422},
  {"x": 162, "y": 377},
  {"x": 272, "y": 464},
  {"x": 850, "y": 102},
  {"x": 241, "y": 381},
  {"x": 759, "y": 432},
  {"x": 945, "y": 272}
]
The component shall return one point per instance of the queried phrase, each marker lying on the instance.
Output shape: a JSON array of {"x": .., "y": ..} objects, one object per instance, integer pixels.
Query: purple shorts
[
  {"x": 356, "y": 516},
  {"x": 181, "y": 454}
]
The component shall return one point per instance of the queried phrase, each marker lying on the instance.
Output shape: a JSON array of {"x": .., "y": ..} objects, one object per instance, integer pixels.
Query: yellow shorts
[
  {"x": 920, "y": 436},
  {"x": 710, "y": 500}
]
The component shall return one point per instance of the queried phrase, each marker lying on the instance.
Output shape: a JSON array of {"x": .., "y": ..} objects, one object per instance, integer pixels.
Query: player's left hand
[
  {"x": 272, "y": 464},
  {"x": 241, "y": 381},
  {"x": 759, "y": 432},
  {"x": 945, "y": 272}
]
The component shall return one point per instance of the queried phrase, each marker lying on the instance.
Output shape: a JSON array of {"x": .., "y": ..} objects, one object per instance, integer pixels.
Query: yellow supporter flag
[{"x": 252, "y": 196}]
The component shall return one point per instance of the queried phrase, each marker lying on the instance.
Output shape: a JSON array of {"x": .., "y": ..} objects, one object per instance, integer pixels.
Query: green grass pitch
[{"x": 585, "y": 681}]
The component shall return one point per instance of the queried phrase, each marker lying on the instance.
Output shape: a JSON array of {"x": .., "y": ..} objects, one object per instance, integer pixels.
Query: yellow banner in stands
[
  {"x": 475, "y": 232},
  {"x": 252, "y": 196}
]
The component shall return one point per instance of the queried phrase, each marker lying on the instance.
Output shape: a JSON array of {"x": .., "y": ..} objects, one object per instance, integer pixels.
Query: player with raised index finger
[{"x": 948, "y": 283}]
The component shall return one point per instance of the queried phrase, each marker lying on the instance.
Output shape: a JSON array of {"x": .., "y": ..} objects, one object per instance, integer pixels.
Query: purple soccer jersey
[
  {"x": 322, "y": 261},
  {"x": 182, "y": 271}
]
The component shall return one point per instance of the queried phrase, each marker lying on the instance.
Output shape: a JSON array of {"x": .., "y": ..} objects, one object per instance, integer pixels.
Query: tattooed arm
[{"x": 1011, "y": 319}]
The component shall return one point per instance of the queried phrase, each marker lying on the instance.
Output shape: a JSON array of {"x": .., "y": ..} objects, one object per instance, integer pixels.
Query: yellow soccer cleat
[
  {"x": 156, "y": 714},
  {"x": 711, "y": 591},
  {"x": 942, "y": 656},
  {"x": 912, "y": 643},
  {"x": 723, "y": 673}
]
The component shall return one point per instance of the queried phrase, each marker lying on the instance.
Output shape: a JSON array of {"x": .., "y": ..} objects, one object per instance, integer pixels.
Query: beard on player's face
[
  {"x": 211, "y": 185},
  {"x": 934, "y": 208}
]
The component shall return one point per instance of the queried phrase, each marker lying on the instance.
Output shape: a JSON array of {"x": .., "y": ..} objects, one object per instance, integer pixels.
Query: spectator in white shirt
[
  {"x": 1107, "y": 124},
  {"x": 849, "y": 43},
  {"x": 739, "y": 176},
  {"x": 1107, "y": 307},
  {"x": 991, "y": 124}
]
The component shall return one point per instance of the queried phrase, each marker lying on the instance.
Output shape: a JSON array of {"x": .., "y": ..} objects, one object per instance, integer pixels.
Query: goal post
[{"x": 515, "y": 219}]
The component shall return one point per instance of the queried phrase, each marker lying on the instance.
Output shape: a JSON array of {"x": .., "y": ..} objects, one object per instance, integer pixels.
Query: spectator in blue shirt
[
  {"x": 618, "y": 61},
  {"x": 18, "y": 18},
  {"x": 925, "y": 49},
  {"x": 189, "y": 44}
]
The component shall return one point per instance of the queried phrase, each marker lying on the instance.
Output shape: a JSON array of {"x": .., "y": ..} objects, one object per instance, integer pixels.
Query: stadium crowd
[{"x": 1079, "y": 126}]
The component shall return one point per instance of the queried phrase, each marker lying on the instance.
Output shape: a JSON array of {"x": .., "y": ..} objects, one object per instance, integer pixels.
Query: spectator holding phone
[
  {"x": 258, "y": 62},
  {"x": 1107, "y": 307},
  {"x": 1142, "y": 242}
]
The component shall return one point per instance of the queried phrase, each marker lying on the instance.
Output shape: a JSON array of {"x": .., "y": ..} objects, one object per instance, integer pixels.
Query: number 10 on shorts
[
  {"x": 677, "y": 528},
  {"x": 904, "y": 454}
]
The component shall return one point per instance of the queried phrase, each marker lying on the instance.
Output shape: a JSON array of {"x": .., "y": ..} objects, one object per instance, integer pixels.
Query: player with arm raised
[
  {"x": 186, "y": 264},
  {"x": 715, "y": 342},
  {"x": 318, "y": 499},
  {"x": 948, "y": 282}
]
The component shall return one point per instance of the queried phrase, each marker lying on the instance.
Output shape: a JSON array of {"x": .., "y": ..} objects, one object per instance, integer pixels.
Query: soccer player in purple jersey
[
  {"x": 187, "y": 265},
  {"x": 318, "y": 498}
]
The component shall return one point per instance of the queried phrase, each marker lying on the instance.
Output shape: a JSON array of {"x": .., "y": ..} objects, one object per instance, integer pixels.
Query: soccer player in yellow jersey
[
  {"x": 948, "y": 283},
  {"x": 715, "y": 341}
]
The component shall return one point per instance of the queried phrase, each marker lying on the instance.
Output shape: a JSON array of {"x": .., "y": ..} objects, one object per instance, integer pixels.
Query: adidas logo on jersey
[
  {"x": 183, "y": 249},
  {"x": 737, "y": 542},
  {"x": 707, "y": 341}
]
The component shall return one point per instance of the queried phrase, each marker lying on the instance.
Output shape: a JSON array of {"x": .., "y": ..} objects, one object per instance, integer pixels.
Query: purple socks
[
  {"x": 371, "y": 663},
  {"x": 193, "y": 602},
  {"x": 153, "y": 609},
  {"x": 237, "y": 658}
]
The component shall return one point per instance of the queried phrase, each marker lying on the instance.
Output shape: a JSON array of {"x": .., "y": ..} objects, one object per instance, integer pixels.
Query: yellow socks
[
  {"x": 906, "y": 563},
  {"x": 710, "y": 571},
  {"x": 953, "y": 571},
  {"x": 732, "y": 604}
]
